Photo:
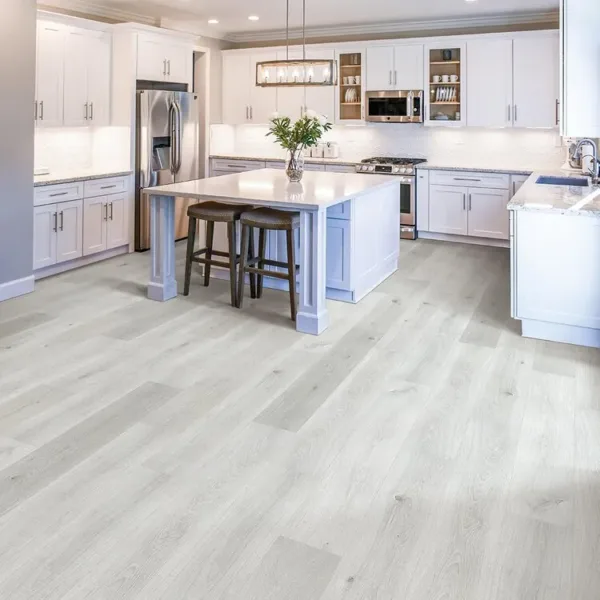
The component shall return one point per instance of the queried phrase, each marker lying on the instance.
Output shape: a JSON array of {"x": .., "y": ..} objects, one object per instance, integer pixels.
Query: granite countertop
[
  {"x": 76, "y": 175},
  {"x": 271, "y": 187},
  {"x": 318, "y": 161},
  {"x": 573, "y": 201},
  {"x": 436, "y": 166}
]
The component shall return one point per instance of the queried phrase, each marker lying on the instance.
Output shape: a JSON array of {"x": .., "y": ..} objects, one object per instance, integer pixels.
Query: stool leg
[
  {"x": 231, "y": 236},
  {"x": 188, "y": 258},
  {"x": 262, "y": 250},
  {"x": 210, "y": 235},
  {"x": 244, "y": 249},
  {"x": 251, "y": 255},
  {"x": 291, "y": 254}
]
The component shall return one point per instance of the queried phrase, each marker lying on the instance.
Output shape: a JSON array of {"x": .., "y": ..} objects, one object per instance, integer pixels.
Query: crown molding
[
  {"x": 550, "y": 18},
  {"x": 96, "y": 10}
]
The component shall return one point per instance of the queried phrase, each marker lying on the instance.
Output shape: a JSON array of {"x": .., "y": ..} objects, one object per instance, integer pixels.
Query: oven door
[{"x": 408, "y": 213}]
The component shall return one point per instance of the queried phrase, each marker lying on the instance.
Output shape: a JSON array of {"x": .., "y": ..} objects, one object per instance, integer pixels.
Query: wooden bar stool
[
  {"x": 215, "y": 212},
  {"x": 268, "y": 219}
]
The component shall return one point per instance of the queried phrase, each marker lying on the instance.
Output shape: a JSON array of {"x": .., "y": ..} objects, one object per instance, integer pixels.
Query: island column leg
[
  {"x": 163, "y": 285},
  {"x": 312, "y": 316}
]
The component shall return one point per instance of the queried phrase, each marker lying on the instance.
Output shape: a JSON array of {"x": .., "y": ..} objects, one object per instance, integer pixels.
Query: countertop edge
[
  {"x": 435, "y": 167},
  {"x": 76, "y": 178},
  {"x": 314, "y": 161}
]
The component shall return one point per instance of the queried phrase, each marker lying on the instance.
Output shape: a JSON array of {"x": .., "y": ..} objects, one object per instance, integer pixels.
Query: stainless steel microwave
[{"x": 400, "y": 106}]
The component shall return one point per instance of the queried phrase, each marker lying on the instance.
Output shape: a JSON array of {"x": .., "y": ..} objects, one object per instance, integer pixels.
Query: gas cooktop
[{"x": 389, "y": 165}]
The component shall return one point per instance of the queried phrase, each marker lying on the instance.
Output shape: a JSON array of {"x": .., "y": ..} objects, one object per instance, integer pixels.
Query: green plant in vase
[{"x": 294, "y": 137}]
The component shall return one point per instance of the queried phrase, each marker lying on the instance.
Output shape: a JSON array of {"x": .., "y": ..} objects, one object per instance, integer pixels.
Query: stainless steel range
[{"x": 405, "y": 169}]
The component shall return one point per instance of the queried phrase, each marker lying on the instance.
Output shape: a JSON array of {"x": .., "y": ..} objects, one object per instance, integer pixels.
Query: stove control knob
[
  {"x": 371, "y": 168},
  {"x": 396, "y": 170},
  {"x": 404, "y": 170}
]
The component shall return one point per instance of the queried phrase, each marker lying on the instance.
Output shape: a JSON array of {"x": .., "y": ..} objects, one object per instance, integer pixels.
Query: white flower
[
  {"x": 311, "y": 114},
  {"x": 274, "y": 116}
]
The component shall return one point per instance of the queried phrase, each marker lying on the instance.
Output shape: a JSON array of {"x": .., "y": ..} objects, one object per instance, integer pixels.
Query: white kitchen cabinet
[
  {"x": 87, "y": 78},
  {"x": 448, "y": 209},
  {"x": 422, "y": 181},
  {"x": 321, "y": 98},
  {"x": 160, "y": 58},
  {"x": 262, "y": 101},
  {"x": 489, "y": 83},
  {"x": 516, "y": 182},
  {"x": 104, "y": 223},
  {"x": 49, "y": 95},
  {"x": 44, "y": 236},
  {"x": 69, "y": 237},
  {"x": 536, "y": 87},
  {"x": 487, "y": 215},
  {"x": 338, "y": 254},
  {"x": 291, "y": 101},
  {"x": 580, "y": 61},
  {"x": 179, "y": 62},
  {"x": 395, "y": 67}
]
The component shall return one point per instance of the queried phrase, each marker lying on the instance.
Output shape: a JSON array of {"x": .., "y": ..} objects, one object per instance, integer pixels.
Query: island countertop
[
  {"x": 270, "y": 187},
  {"x": 566, "y": 200}
]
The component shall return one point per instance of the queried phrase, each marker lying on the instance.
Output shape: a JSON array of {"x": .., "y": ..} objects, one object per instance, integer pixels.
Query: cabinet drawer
[
  {"x": 51, "y": 194},
  {"x": 275, "y": 164},
  {"x": 340, "y": 168},
  {"x": 469, "y": 179},
  {"x": 103, "y": 187},
  {"x": 340, "y": 211},
  {"x": 236, "y": 166},
  {"x": 313, "y": 167}
]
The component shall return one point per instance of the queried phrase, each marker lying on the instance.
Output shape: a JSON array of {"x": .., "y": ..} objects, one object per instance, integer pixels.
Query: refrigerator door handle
[
  {"x": 178, "y": 136},
  {"x": 173, "y": 132}
]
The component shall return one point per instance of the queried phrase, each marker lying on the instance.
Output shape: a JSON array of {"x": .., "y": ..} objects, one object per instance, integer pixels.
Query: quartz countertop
[
  {"x": 475, "y": 168},
  {"x": 76, "y": 175},
  {"x": 574, "y": 201},
  {"x": 317, "y": 161},
  {"x": 270, "y": 187}
]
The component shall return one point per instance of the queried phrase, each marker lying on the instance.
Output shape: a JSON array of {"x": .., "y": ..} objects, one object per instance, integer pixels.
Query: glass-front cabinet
[
  {"x": 350, "y": 95},
  {"x": 445, "y": 68}
]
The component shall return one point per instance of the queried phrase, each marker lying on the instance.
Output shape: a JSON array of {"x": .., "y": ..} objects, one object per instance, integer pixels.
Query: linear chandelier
[{"x": 299, "y": 72}]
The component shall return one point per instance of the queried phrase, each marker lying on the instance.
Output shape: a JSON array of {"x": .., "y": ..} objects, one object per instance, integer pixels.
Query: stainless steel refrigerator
[{"x": 167, "y": 151}]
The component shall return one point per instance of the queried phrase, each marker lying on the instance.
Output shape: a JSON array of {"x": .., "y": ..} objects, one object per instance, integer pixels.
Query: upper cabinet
[
  {"x": 513, "y": 82},
  {"x": 580, "y": 24},
  {"x": 395, "y": 67},
  {"x": 49, "y": 95},
  {"x": 160, "y": 58},
  {"x": 87, "y": 78},
  {"x": 351, "y": 84}
]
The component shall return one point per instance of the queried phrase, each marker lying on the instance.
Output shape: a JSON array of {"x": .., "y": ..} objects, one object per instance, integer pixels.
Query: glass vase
[{"x": 294, "y": 165}]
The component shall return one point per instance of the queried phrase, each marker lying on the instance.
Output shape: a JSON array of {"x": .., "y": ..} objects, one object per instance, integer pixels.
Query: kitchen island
[
  {"x": 370, "y": 204},
  {"x": 555, "y": 260}
]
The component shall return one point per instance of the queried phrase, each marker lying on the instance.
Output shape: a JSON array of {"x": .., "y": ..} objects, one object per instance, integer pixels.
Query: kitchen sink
[{"x": 567, "y": 181}]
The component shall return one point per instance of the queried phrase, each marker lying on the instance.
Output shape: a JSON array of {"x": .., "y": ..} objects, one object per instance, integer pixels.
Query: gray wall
[{"x": 17, "y": 74}]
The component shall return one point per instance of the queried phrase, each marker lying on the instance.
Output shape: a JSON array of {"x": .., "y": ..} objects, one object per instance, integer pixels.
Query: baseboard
[
  {"x": 84, "y": 261},
  {"x": 565, "y": 334},
  {"x": 18, "y": 287},
  {"x": 463, "y": 239}
]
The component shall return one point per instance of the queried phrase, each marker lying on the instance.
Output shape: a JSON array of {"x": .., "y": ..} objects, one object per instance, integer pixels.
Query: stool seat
[
  {"x": 217, "y": 211},
  {"x": 269, "y": 218}
]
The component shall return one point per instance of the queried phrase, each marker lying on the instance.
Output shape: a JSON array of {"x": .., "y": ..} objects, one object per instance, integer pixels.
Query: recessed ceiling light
[
  {"x": 253, "y": 18},
  {"x": 213, "y": 21}
]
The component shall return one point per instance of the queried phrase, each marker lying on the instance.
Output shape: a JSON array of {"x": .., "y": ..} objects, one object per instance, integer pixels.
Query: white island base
[{"x": 369, "y": 252}]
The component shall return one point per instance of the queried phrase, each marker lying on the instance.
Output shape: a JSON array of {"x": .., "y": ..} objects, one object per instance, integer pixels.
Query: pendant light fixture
[{"x": 300, "y": 72}]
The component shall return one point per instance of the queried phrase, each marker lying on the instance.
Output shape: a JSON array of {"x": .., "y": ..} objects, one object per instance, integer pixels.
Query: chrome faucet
[{"x": 577, "y": 154}]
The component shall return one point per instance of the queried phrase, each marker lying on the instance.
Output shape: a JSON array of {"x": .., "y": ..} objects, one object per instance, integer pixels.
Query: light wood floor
[{"x": 419, "y": 450}]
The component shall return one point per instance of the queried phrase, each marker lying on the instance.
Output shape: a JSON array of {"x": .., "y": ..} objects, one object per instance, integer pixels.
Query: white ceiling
[{"x": 233, "y": 14}]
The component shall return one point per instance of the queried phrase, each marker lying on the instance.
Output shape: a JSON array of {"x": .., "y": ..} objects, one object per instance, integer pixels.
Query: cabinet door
[
  {"x": 94, "y": 225},
  {"x": 44, "y": 236},
  {"x": 448, "y": 209},
  {"x": 488, "y": 216},
  {"x": 180, "y": 63},
  {"x": 516, "y": 182},
  {"x": 236, "y": 89},
  {"x": 489, "y": 83},
  {"x": 338, "y": 254},
  {"x": 69, "y": 238},
  {"x": 422, "y": 200},
  {"x": 99, "y": 59},
  {"x": 290, "y": 100},
  {"x": 321, "y": 98},
  {"x": 408, "y": 67},
  {"x": 152, "y": 59},
  {"x": 263, "y": 101},
  {"x": 380, "y": 68},
  {"x": 117, "y": 233},
  {"x": 76, "y": 106},
  {"x": 535, "y": 68},
  {"x": 50, "y": 74}
]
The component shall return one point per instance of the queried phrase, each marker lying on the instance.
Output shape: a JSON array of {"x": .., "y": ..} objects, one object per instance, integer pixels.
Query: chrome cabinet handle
[
  {"x": 105, "y": 212},
  {"x": 168, "y": 67},
  {"x": 62, "y": 220},
  {"x": 55, "y": 222},
  {"x": 111, "y": 211},
  {"x": 164, "y": 66},
  {"x": 86, "y": 106},
  {"x": 514, "y": 187},
  {"x": 465, "y": 179},
  {"x": 464, "y": 202},
  {"x": 247, "y": 114},
  {"x": 557, "y": 117},
  {"x": 395, "y": 77},
  {"x": 107, "y": 187},
  {"x": 251, "y": 113},
  {"x": 92, "y": 111},
  {"x": 35, "y": 111},
  {"x": 469, "y": 201},
  {"x": 42, "y": 110},
  {"x": 390, "y": 78},
  {"x": 509, "y": 113},
  {"x": 58, "y": 194},
  {"x": 516, "y": 118}
]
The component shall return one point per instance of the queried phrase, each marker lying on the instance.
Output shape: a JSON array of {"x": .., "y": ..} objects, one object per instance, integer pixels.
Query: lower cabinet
[
  {"x": 57, "y": 233},
  {"x": 475, "y": 212},
  {"x": 104, "y": 223},
  {"x": 339, "y": 254}
]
